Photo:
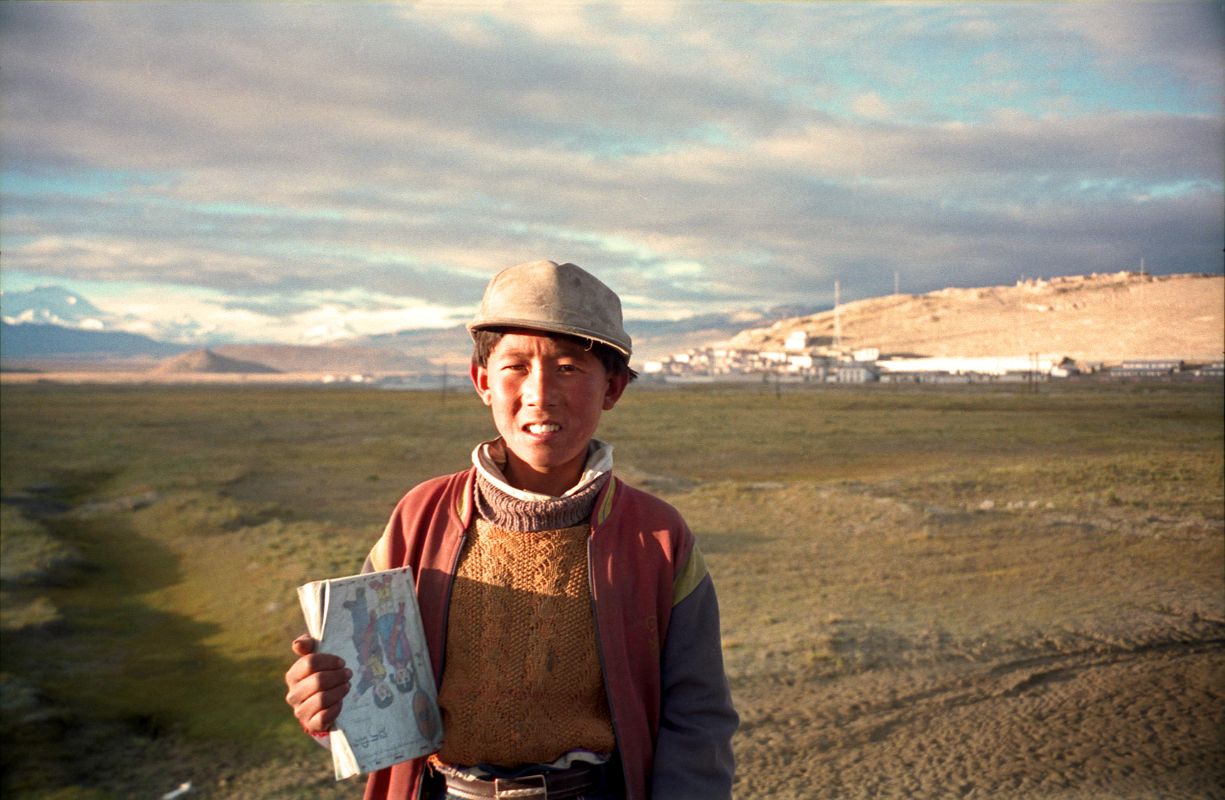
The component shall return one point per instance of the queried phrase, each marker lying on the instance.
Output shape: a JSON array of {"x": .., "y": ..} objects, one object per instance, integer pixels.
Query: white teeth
[{"x": 544, "y": 427}]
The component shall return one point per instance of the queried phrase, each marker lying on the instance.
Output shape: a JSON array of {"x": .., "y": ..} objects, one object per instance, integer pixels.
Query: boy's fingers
[
  {"x": 315, "y": 682},
  {"x": 325, "y": 718},
  {"x": 322, "y": 720},
  {"x": 303, "y": 644},
  {"x": 331, "y": 700},
  {"x": 311, "y": 664},
  {"x": 311, "y": 716},
  {"x": 318, "y": 711},
  {"x": 315, "y": 693},
  {"x": 303, "y": 680}
]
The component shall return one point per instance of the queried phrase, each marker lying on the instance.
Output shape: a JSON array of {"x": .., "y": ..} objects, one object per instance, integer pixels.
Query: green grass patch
[{"x": 29, "y": 554}]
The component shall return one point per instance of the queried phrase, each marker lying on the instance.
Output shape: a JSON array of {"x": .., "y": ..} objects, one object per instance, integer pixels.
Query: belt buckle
[{"x": 507, "y": 787}]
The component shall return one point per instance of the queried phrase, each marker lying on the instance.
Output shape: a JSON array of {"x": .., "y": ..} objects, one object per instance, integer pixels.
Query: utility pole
[
  {"x": 896, "y": 281},
  {"x": 837, "y": 317}
]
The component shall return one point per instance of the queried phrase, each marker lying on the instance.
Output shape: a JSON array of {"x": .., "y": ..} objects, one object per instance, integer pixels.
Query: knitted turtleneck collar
[{"x": 517, "y": 510}]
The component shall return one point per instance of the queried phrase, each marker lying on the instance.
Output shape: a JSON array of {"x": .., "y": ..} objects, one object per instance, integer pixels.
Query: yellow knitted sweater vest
[{"x": 522, "y": 682}]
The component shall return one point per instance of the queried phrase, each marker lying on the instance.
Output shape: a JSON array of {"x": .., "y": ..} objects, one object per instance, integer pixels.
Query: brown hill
[
  {"x": 328, "y": 358},
  {"x": 1106, "y": 318},
  {"x": 206, "y": 361}
]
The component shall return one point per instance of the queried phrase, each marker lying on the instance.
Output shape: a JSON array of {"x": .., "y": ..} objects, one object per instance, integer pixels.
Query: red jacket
[{"x": 643, "y": 564}]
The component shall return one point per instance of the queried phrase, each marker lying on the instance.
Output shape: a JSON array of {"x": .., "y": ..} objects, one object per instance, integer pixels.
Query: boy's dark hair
[{"x": 614, "y": 361}]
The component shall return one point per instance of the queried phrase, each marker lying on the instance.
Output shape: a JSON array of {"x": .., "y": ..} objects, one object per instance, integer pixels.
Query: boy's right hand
[{"x": 317, "y": 683}]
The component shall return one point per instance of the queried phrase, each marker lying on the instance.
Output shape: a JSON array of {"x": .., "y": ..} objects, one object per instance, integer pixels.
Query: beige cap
[{"x": 558, "y": 298}]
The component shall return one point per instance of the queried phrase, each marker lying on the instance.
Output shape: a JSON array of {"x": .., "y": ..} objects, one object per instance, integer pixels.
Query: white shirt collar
[{"x": 490, "y": 457}]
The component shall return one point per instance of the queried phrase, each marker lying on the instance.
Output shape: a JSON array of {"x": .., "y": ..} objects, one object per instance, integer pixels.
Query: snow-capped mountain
[
  {"x": 52, "y": 305},
  {"x": 55, "y": 305}
]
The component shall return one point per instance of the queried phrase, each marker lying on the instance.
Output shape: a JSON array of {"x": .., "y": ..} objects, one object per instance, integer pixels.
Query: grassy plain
[{"x": 975, "y": 592}]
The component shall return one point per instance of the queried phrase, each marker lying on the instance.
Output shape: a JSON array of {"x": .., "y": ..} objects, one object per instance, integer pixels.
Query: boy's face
[{"x": 547, "y": 395}]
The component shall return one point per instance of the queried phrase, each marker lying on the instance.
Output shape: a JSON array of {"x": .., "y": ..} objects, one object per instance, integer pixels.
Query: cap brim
[{"x": 545, "y": 327}]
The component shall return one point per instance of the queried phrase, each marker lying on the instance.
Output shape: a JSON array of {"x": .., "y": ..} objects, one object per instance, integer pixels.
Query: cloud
[
  {"x": 871, "y": 106},
  {"x": 334, "y": 168},
  {"x": 1182, "y": 39}
]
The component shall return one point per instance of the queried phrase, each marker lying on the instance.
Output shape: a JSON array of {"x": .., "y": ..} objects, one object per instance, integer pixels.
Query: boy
[{"x": 573, "y": 628}]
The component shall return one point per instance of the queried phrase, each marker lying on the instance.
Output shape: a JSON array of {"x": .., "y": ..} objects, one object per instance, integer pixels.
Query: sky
[{"x": 300, "y": 172}]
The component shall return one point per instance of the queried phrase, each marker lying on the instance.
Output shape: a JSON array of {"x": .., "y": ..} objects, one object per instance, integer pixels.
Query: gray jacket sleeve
[{"x": 693, "y": 753}]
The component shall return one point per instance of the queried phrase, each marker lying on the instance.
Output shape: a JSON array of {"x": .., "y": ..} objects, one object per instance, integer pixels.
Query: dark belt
[{"x": 559, "y": 785}]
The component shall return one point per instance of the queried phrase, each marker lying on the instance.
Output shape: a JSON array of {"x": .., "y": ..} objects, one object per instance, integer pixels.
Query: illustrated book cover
[{"x": 391, "y": 711}]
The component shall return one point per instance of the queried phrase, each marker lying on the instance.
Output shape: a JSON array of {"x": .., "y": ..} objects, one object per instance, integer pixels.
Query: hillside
[
  {"x": 1106, "y": 318},
  {"x": 325, "y": 358},
  {"x": 208, "y": 362}
]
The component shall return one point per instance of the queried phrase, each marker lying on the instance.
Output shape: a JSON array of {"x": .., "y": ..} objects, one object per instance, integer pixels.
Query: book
[{"x": 373, "y": 622}]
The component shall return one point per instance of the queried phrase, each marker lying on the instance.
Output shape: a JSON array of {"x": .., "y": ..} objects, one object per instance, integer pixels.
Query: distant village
[{"x": 799, "y": 361}]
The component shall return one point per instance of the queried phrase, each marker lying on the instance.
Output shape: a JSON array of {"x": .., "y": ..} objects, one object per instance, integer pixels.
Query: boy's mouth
[{"x": 542, "y": 427}]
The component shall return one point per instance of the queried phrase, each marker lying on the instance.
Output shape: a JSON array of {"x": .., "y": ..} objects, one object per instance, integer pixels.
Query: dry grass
[{"x": 924, "y": 593}]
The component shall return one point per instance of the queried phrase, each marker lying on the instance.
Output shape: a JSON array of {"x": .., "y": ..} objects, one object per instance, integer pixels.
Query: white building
[{"x": 987, "y": 365}]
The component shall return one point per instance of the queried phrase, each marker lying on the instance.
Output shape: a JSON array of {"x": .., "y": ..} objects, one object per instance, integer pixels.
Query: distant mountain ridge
[
  {"x": 1106, "y": 317},
  {"x": 325, "y": 358},
  {"x": 208, "y": 362},
  {"x": 26, "y": 341}
]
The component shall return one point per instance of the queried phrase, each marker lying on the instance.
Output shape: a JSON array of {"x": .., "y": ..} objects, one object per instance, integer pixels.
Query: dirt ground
[
  {"x": 1116, "y": 722},
  {"x": 1021, "y": 654},
  {"x": 1140, "y": 722}
]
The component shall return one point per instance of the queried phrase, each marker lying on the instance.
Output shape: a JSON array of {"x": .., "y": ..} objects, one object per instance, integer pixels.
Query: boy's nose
[{"x": 538, "y": 388}]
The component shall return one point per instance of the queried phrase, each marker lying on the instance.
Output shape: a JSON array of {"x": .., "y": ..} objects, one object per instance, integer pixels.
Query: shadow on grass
[{"x": 96, "y": 700}]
